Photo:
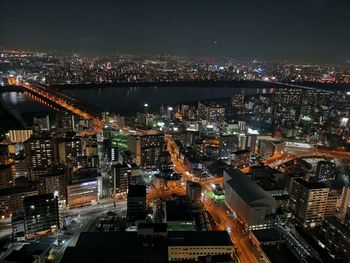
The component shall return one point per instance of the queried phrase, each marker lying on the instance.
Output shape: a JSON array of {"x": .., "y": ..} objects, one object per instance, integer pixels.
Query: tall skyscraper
[
  {"x": 146, "y": 148},
  {"x": 39, "y": 150},
  {"x": 121, "y": 173},
  {"x": 308, "y": 202},
  {"x": 69, "y": 151}
]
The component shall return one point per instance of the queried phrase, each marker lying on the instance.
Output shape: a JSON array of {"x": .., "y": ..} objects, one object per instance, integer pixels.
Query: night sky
[{"x": 298, "y": 30}]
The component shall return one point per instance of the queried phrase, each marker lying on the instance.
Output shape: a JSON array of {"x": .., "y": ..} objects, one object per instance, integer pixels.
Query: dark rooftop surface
[
  {"x": 193, "y": 184},
  {"x": 27, "y": 253},
  {"x": 158, "y": 228},
  {"x": 338, "y": 225},
  {"x": 114, "y": 247},
  {"x": 267, "y": 235},
  {"x": 246, "y": 188},
  {"x": 137, "y": 190},
  {"x": 17, "y": 190},
  {"x": 128, "y": 247},
  {"x": 241, "y": 152},
  {"x": 311, "y": 185},
  {"x": 178, "y": 210},
  {"x": 199, "y": 238},
  {"x": 38, "y": 197},
  {"x": 280, "y": 253}
]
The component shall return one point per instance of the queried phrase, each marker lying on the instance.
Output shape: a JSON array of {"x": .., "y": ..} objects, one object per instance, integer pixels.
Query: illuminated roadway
[
  {"x": 245, "y": 250},
  {"x": 64, "y": 101}
]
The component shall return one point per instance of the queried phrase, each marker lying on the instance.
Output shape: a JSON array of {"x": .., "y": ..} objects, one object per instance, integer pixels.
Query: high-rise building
[
  {"x": 121, "y": 173},
  {"x": 178, "y": 214},
  {"x": 41, "y": 123},
  {"x": 237, "y": 100},
  {"x": 308, "y": 201},
  {"x": 211, "y": 112},
  {"x": 344, "y": 203},
  {"x": 21, "y": 166},
  {"x": 240, "y": 158},
  {"x": 4, "y": 154},
  {"x": 347, "y": 216},
  {"x": 54, "y": 182},
  {"x": 39, "y": 150},
  {"x": 18, "y": 227},
  {"x": 41, "y": 214},
  {"x": 7, "y": 175},
  {"x": 11, "y": 199},
  {"x": 227, "y": 145},
  {"x": 16, "y": 136},
  {"x": 325, "y": 171},
  {"x": 90, "y": 147},
  {"x": 114, "y": 154},
  {"x": 65, "y": 122},
  {"x": 194, "y": 191},
  {"x": 136, "y": 202},
  {"x": 144, "y": 119},
  {"x": 251, "y": 142},
  {"x": 267, "y": 148},
  {"x": 69, "y": 151},
  {"x": 336, "y": 238},
  {"x": 146, "y": 148},
  {"x": 92, "y": 161}
]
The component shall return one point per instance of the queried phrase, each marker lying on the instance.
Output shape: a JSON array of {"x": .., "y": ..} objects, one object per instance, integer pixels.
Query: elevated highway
[{"x": 64, "y": 101}]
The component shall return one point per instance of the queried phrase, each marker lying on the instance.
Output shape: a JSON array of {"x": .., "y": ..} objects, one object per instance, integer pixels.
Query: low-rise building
[
  {"x": 83, "y": 189},
  {"x": 187, "y": 245},
  {"x": 252, "y": 204}
]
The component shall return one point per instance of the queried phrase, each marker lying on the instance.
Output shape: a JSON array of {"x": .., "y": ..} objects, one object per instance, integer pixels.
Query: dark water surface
[{"x": 132, "y": 99}]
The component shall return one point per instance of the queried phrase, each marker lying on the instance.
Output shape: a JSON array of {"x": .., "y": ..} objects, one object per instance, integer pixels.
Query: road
[
  {"x": 89, "y": 216},
  {"x": 326, "y": 153},
  {"x": 245, "y": 251},
  {"x": 64, "y": 101},
  {"x": 5, "y": 228}
]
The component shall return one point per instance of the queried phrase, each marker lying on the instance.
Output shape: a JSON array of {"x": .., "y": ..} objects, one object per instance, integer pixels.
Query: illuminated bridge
[{"x": 64, "y": 101}]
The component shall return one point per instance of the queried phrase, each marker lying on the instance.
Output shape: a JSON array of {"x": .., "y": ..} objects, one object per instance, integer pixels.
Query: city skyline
[
  {"x": 303, "y": 30},
  {"x": 175, "y": 131}
]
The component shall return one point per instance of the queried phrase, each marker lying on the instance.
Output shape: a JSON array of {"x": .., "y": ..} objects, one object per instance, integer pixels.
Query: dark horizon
[{"x": 295, "y": 30}]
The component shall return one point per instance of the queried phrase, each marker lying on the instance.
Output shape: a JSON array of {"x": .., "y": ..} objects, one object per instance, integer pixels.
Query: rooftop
[
  {"x": 121, "y": 246},
  {"x": 246, "y": 188},
  {"x": 199, "y": 238},
  {"x": 38, "y": 197},
  {"x": 343, "y": 229},
  {"x": 17, "y": 190},
  {"x": 129, "y": 247},
  {"x": 178, "y": 210},
  {"x": 311, "y": 184},
  {"x": 137, "y": 190},
  {"x": 241, "y": 152}
]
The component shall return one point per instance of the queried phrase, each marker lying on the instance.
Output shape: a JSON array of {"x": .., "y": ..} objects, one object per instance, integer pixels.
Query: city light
[{"x": 171, "y": 137}]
